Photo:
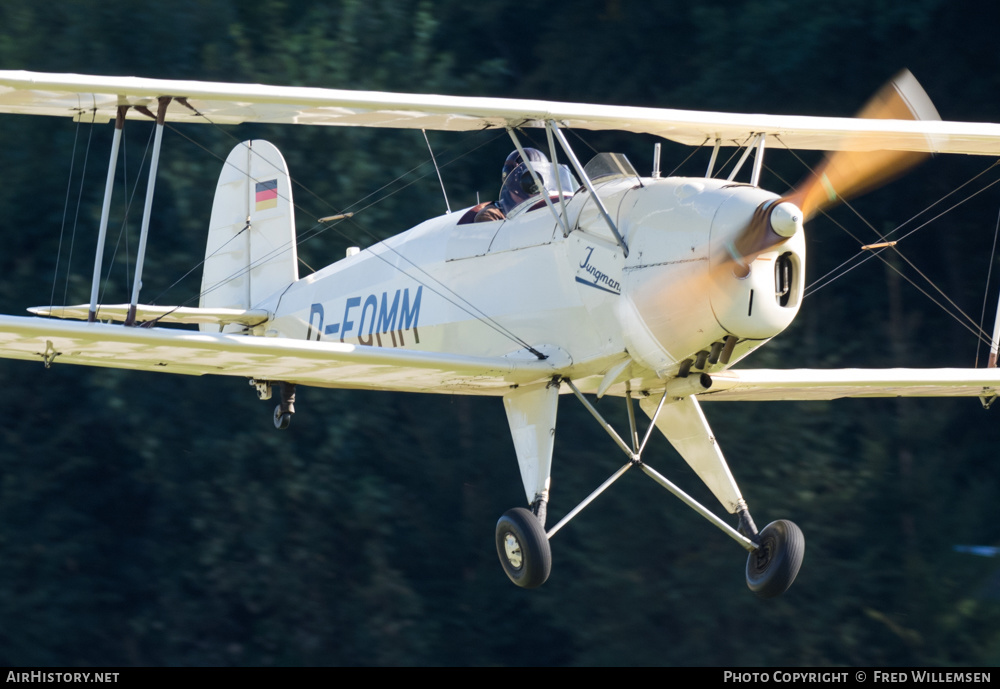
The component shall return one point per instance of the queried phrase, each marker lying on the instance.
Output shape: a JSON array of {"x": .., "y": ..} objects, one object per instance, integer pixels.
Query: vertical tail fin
[{"x": 250, "y": 253}]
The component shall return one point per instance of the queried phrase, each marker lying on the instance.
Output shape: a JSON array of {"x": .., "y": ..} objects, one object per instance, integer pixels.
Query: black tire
[
  {"x": 523, "y": 548},
  {"x": 772, "y": 568},
  {"x": 281, "y": 419}
]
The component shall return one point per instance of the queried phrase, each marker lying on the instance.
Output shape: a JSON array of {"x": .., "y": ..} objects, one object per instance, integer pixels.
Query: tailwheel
[
  {"x": 773, "y": 566},
  {"x": 286, "y": 408},
  {"x": 523, "y": 548},
  {"x": 282, "y": 419}
]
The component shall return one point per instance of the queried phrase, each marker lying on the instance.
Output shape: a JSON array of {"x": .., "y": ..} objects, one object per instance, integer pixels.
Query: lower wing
[
  {"x": 321, "y": 364},
  {"x": 813, "y": 384}
]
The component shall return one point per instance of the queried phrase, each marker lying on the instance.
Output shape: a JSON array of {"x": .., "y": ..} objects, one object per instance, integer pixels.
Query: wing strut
[
  {"x": 539, "y": 184},
  {"x": 987, "y": 401},
  {"x": 161, "y": 115},
  {"x": 758, "y": 143},
  {"x": 758, "y": 160},
  {"x": 995, "y": 343},
  {"x": 551, "y": 126},
  {"x": 105, "y": 210},
  {"x": 634, "y": 454},
  {"x": 711, "y": 161},
  {"x": 562, "y": 197}
]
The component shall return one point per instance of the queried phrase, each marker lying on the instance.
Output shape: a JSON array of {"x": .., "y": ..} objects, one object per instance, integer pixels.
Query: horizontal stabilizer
[{"x": 163, "y": 314}]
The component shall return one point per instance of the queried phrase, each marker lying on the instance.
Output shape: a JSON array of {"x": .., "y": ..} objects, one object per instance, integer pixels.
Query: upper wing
[
  {"x": 322, "y": 364},
  {"x": 73, "y": 95},
  {"x": 811, "y": 384}
]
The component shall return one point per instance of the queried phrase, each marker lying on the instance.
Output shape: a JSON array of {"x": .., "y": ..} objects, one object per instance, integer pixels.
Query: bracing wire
[
  {"x": 968, "y": 323},
  {"x": 62, "y": 227},
  {"x": 681, "y": 164},
  {"x": 955, "y": 311},
  {"x": 79, "y": 203}
]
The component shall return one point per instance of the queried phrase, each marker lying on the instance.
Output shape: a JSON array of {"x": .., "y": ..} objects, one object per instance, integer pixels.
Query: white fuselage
[{"x": 496, "y": 288}]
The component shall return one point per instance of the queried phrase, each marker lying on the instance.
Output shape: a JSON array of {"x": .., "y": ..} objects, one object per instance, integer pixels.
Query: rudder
[{"x": 251, "y": 252}]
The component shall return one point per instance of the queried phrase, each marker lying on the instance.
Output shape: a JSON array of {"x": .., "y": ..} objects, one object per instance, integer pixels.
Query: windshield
[
  {"x": 605, "y": 166},
  {"x": 521, "y": 186}
]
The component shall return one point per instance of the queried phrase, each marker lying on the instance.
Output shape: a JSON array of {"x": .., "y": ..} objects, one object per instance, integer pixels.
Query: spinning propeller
[{"x": 843, "y": 174}]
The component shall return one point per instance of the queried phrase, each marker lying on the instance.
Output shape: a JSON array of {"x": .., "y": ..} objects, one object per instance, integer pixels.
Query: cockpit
[
  {"x": 524, "y": 189},
  {"x": 525, "y": 184},
  {"x": 520, "y": 186}
]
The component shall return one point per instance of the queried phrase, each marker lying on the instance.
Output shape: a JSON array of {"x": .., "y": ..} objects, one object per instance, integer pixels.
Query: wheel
[
  {"x": 772, "y": 568},
  {"x": 281, "y": 419},
  {"x": 523, "y": 548}
]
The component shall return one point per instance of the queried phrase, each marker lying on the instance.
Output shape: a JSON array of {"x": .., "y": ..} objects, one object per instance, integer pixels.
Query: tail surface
[{"x": 250, "y": 253}]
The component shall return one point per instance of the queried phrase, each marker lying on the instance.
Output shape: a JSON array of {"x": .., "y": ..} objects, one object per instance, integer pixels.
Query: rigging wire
[
  {"x": 62, "y": 227},
  {"x": 573, "y": 132},
  {"x": 696, "y": 149},
  {"x": 312, "y": 193},
  {"x": 969, "y": 324},
  {"x": 813, "y": 287},
  {"x": 79, "y": 203}
]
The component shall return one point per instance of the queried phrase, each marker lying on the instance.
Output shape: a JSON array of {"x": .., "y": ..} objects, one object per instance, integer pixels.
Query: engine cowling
[
  {"x": 757, "y": 284},
  {"x": 683, "y": 288}
]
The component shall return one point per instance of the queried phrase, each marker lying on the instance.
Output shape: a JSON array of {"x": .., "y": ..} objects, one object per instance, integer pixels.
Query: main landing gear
[
  {"x": 774, "y": 554},
  {"x": 773, "y": 566},
  {"x": 523, "y": 548}
]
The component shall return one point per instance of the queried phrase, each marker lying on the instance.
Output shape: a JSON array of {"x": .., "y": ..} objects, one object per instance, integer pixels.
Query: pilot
[{"x": 493, "y": 211}]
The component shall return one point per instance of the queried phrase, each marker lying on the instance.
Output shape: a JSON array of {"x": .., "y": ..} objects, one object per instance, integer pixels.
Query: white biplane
[{"x": 597, "y": 281}]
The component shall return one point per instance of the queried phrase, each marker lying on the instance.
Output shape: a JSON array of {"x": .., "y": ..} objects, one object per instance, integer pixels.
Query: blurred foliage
[{"x": 153, "y": 520}]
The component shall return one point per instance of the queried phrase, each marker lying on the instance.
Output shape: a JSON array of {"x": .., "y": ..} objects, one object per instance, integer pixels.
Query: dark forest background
[{"x": 157, "y": 520}]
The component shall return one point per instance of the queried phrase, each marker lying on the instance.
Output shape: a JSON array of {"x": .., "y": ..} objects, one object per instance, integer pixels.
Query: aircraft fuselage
[{"x": 496, "y": 288}]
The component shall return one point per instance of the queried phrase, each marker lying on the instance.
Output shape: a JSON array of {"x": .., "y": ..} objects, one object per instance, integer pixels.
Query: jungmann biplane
[{"x": 594, "y": 281}]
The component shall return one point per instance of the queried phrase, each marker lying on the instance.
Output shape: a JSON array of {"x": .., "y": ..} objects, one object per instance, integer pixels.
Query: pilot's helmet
[
  {"x": 514, "y": 159},
  {"x": 519, "y": 184}
]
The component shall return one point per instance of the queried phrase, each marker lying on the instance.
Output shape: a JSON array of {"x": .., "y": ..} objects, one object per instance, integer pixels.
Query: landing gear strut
[{"x": 775, "y": 553}]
